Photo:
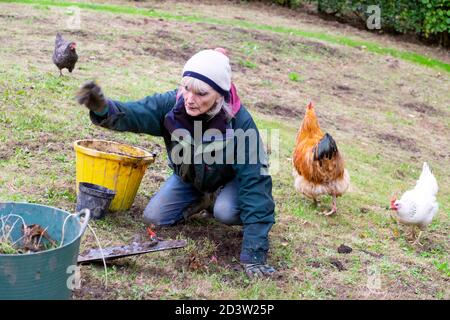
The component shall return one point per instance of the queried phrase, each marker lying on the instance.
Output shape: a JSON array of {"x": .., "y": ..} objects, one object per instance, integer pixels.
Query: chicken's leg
[
  {"x": 417, "y": 241},
  {"x": 315, "y": 202},
  {"x": 60, "y": 73},
  {"x": 411, "y": 234},
  {"x": 333, "y": 209}
]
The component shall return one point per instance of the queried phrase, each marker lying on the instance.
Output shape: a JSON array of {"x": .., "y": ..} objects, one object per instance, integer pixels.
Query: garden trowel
[{"x": 135, "y": 248}]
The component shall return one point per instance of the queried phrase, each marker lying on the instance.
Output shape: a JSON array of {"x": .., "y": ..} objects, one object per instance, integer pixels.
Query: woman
[{"x": 213, "y": 146}]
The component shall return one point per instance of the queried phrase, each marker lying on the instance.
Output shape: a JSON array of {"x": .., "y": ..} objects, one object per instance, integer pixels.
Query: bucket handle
[
  {"x": 84, "y": 212},
  {"x": 87, "y": 215}
]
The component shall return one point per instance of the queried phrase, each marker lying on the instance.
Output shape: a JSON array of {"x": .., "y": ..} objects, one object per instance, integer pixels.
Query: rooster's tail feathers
[{"x": 326, "y": 148}]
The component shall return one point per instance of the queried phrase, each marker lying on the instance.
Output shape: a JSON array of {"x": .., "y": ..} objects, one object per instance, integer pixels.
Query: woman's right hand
[{"x": 90, "y": 94}]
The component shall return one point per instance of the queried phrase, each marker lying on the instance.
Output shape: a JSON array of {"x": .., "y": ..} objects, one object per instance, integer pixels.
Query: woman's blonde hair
[{"x": 198, "y": 86}]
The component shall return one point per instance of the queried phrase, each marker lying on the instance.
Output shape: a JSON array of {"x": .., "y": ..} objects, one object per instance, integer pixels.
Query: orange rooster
[{"x": 318, "y": 165}]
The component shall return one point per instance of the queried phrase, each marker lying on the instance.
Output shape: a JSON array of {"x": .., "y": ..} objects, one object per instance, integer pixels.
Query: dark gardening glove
[
  {"x": 258, "y": 270},
  {"x": 90, "y": 94}
]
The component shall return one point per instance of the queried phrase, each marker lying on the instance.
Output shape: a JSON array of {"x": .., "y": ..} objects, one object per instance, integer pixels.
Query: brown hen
[{"x": 318, "y": 165}]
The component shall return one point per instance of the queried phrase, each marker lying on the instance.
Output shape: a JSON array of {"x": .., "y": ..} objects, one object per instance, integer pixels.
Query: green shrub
[
  {"x": 289, "y": 3},
  {"x": 427, "y": 18}
]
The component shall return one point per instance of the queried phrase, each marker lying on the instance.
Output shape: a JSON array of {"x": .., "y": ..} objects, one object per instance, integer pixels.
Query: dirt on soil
[
  {"x": 278, "y": 110},
  {"x": 6, "y": 152},
  {"x": 113, "y": 148},
  {"x": 227, "y": 240},
  {"x": 407, "y": 144},
  {"x": 421, "y": 107},
  {"x": 344, "y": 249},
  {"x": 337, "y": 264}
]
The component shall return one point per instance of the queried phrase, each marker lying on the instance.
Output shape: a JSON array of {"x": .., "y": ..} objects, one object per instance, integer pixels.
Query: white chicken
[{"x": 418, "y": 206}]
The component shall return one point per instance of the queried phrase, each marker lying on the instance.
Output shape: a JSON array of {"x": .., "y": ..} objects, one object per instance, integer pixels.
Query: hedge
[{"x": 429, "y": 19}]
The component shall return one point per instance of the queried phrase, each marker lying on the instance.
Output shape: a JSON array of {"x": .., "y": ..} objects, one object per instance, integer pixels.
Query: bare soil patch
[
  {"x": 279, "y": 110},
  {"x": 421, "y": 107},
  {"x": 407, "y": 144}
]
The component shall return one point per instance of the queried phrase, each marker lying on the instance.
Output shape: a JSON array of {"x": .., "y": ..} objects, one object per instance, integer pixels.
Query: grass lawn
[{"x": 387, "y": 112}]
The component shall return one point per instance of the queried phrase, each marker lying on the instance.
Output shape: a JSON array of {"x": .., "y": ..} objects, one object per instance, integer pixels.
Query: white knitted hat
[{"x": 212, "y": 67}]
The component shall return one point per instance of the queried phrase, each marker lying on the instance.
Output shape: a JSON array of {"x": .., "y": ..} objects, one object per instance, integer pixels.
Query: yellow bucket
[{"x": 113, "y": 165}]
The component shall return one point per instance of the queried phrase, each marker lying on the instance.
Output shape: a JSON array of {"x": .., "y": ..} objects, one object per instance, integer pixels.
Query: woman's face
[{"x": 198, "y": 102}]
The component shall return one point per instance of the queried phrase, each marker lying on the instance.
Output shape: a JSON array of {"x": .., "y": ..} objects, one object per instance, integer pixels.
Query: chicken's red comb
[
  {"x": 394, "y": 198},
  {"x": 310, "y": 105}
]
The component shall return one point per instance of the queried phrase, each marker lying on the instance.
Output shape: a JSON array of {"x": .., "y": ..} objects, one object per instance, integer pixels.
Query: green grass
[
  {"x": 442, "y": 267},
  {"x": 248, "y": 64},
  {"x": 293, "y": 76},
  {"x": 6, "y": 247},
  {"x": 330, "y": 38}
]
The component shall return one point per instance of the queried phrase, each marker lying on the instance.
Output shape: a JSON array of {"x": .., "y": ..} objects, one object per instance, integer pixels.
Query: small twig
[
  {"x": 12, "y": 227},
  {"x": 103, "y": 256},
  {"x": 18, "y": 240},
  {"x": 6, "y": 234},
  {"x": 376, "y": 255},
  {"x": 40, "y": 238},
  {"x": 3, "y": 229},
  {"x": 96, "y": 239}
]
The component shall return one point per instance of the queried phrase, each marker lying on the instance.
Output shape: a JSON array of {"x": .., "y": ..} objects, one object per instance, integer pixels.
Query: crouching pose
[{"x": 213, "y": 146}]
